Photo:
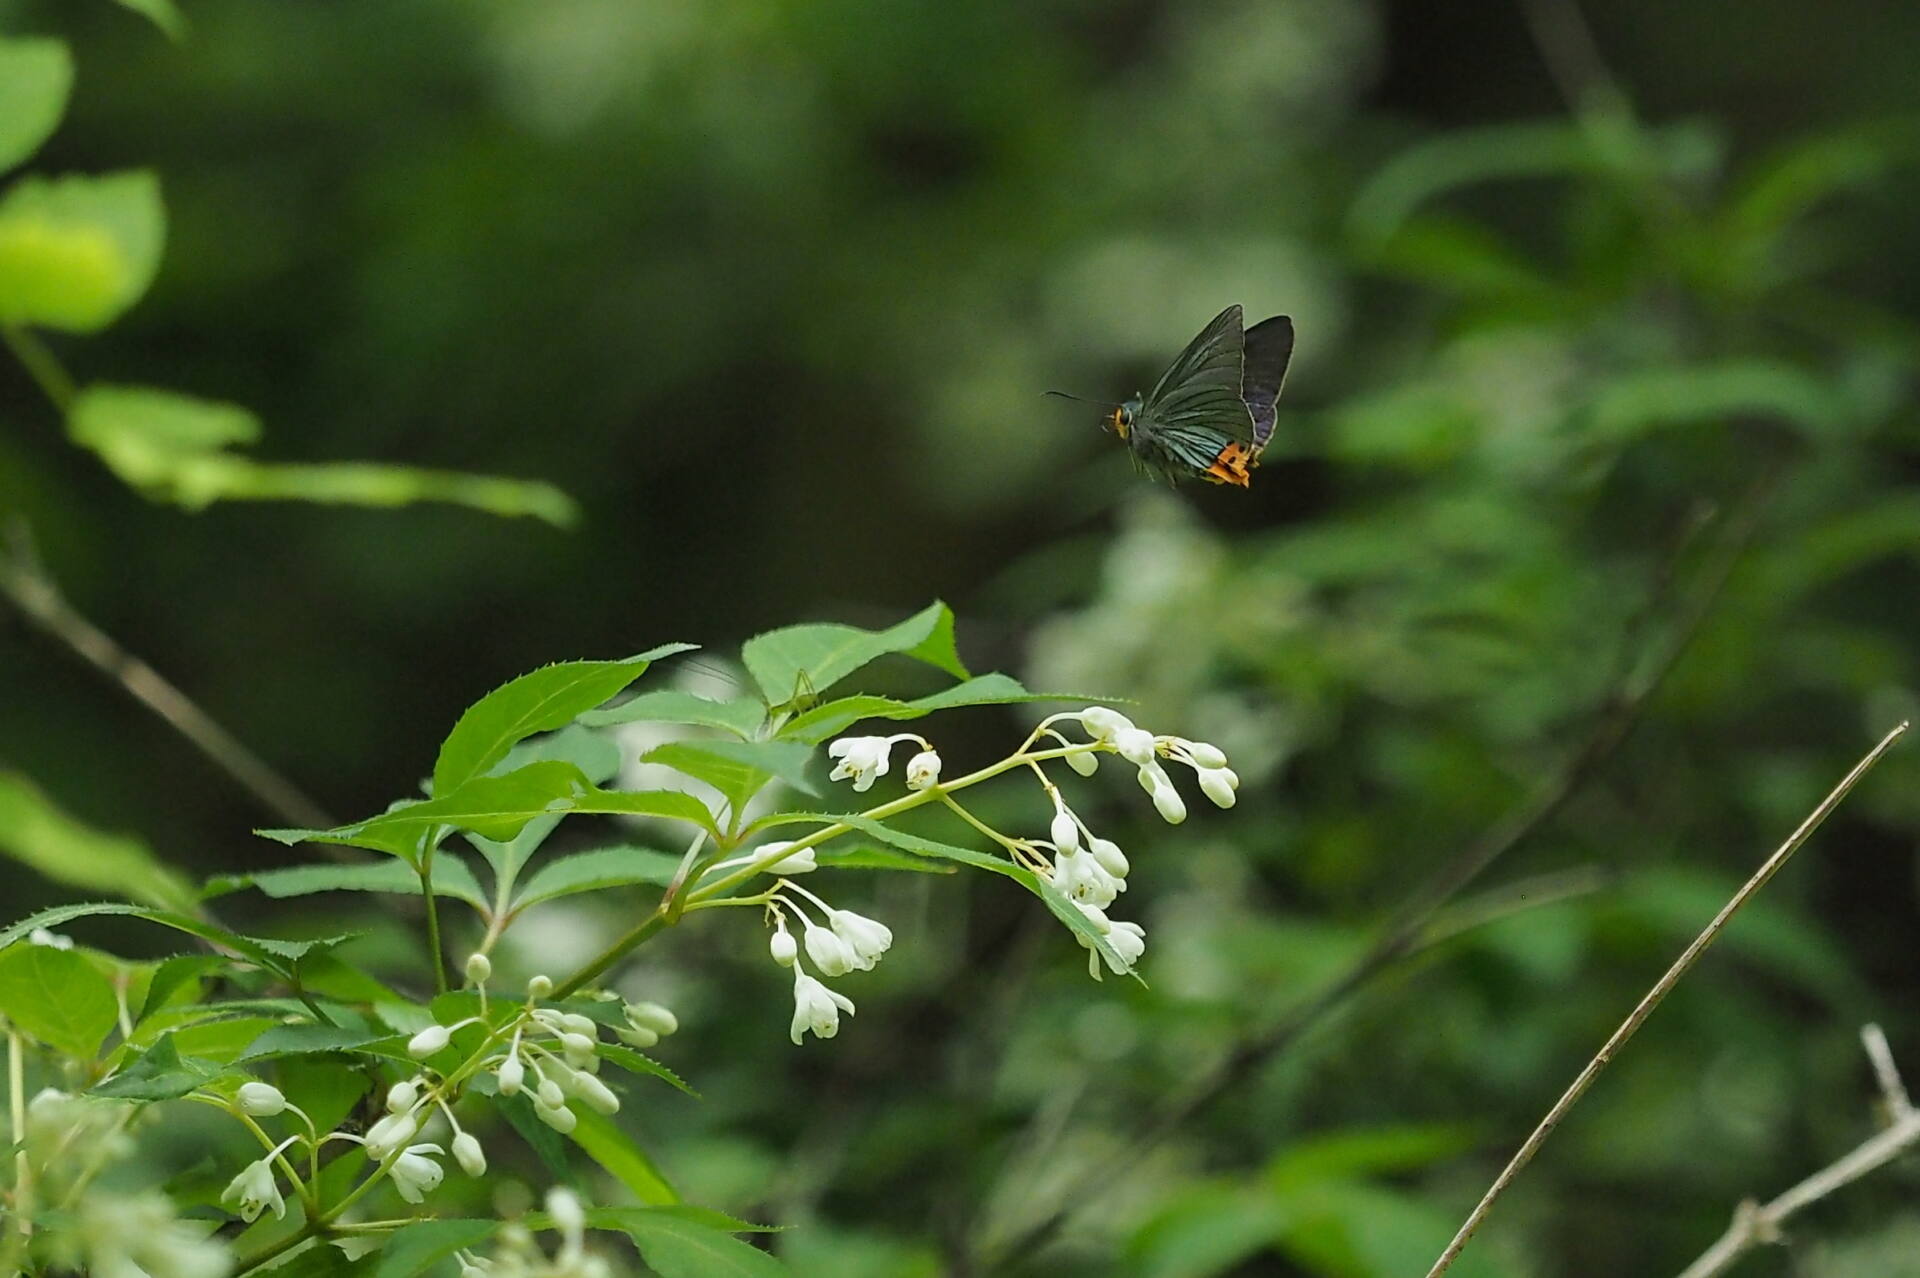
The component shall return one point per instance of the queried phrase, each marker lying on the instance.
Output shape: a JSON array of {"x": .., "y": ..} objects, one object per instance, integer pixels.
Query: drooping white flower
[
  {"x": 467, "y": 1152},
  {"x": 432, "y": 1039},
  {"x": 1202, "y": 754},
  {"x": 1102, "y": 724},
  {"x": 801, "y": 862},
  {"x": 389, "y": 1134},
  {"x": 402, "y": 1095},
  {"x": 569, "y": 1218},
  {"x": 539, "y": 986},
  {"x": 415, "y": 1175},
  {"x": 596, "y": 1095},
  {"x": 1219, "y": 784},
  {"x": 867, "y": 938},
  {"x": 558, "y": 1117},
  {"x": 785, "y": 949},
  {"x": 1065, "y": 831},
  {"x": 1082, "y": 879},
  {"x": 637, "y": 1036},
  {"x": 829, "y": 951},
  {"x": 1085, "y": 762},
  {"x": 862, "y": 758},
  {"x": 262, "y": 1100},
  {"x": 923, "y": 771},
  {"x": 1129, "y": 942},
  {"x": 512, "y": 1071},
  {"x": 1135, "y": 745},
  {"x": 1110, "y": 857},
  {"x": 653, "y": 1017},
  {"x": 255, "y": 1189},
  {"x": 550, "y": 1094},
  {"x": 816, "y": 1008},
  {"x": 1159, "y": 787}
]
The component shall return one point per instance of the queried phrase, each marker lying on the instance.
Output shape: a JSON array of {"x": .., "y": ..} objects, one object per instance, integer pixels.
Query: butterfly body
[{"x": 1212, "y": 412}]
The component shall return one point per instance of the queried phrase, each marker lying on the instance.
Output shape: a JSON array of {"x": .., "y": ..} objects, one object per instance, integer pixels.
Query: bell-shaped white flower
[
  {"x": 829, "y": 951},
  {"x": 1082, "y": 879},
  {"x": 1219, "y": 785},
  {"x": 262, "y": 1100},
  {"x": 784, "y": 948},
  {"x": 1110, "y": 857},
  {"x": 539, "y": 986},
  {"x": 389, "y": 1134},
  {"x": 415, "y": 1175},
  {"x": 1065, "y": 831},
  {"x": 550, "y": 1094},
  {"x": 923, "y": 771},
  {"x": 862, "y": 758},
  {"x": 1135, "y": 745},
  {"x": 1159, "y": 787},
  {"x": 1129, "y": 942},
  {"x": 254, "y": 1190},
  {"x": 816, "y": 1008},
  {"x": 867, "y": 938},
  {"x": 467, "y": 1152}
]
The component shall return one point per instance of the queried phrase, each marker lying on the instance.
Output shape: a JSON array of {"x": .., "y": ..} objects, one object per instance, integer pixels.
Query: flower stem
[
  {"x": 23, "y": 1170},
  {"x": 41, "y": 365}
]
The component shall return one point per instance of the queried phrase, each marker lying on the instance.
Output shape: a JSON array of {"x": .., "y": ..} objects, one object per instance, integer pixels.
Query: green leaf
[
  {"x": 742, "y": 716},
  {"x": 304, "y": 1040},
  {"x": 872, "y": 858},
  {"x": 499, "y": 807},
  {"x": 1203, "y": 1230},
  {"x": 1639, "y": 403},
  {"x": 1365, "y": 1151},
  {"x": 35, "y": 78},
  {"x": 451, "y": 877},
  {"x": 173, "y": 447},
  {"x": 676, "y": 1245},
  {"x": 159, "y": 1074},
  {"x": 635, "y": 1063},
  {"x": 174, "y": 973},
  {"x": 37, "y": 833},
  {"x": 621, "y": 1157},
  {"x": 1079, "y": 924},
  {"x": 600, "y": 868},
  {"x": 542, "y": 701},
  {"x": 76, "y": 252},
  {"x": 834, "y": 717},
  {"x": 414, "y": 1249},
  {"x": 595, "y": 753},
  {"x": 58, "y": 997},
  {"x": 799, "y": 661},
  {"x": 738, "y": 769},
  {"x": 162, "y": 13},
  {"x": 1463, "y": 156},
  {"x": 263, "y": 952}
]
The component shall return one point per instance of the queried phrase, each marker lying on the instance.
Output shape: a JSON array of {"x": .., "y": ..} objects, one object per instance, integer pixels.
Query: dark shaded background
[{"x": 773, "y": 288}]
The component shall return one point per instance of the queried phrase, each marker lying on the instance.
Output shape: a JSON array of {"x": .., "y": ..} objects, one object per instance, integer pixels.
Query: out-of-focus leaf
[
  {"x": 57, "y": 996},
  {"x": 596, "y": 869},
  {"x": 738, "y": 769},
  {"x": 1364, "y": 1151},
  {"x": 39, "y": 834},
  {"x": 620, "y": 1155},
  {"x": 542, "y": 700},
  {"x": 872, "y": 858},
  {"x": 1638, "y": 403},
  {"x": 741, "y": 716},
  {"x": 76, "y": 252},
  {"x": 416, "y": 1248},
  {"x": 675, "y": 1245},
  {"x": 35, "y": 79},
  {"x": 1462, "y": 157},
  {"x": 635, "y": 1063},
  {"x": 1205, "y": 1229},
  {"x": 164, "y": 14},
  {"x": 799, "y": 661},
  {"x": 253, "y": 948},
  {"x": 1462, "y": 256},
  {"x": 1346, "y": 1229},
  {"x": 451, "y": 877}
]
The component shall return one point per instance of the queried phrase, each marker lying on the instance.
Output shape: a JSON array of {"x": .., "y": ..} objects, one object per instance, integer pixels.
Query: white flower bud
[
  {"x": 568, "y": 1216},
  {"x": 558, "y": 1117},
  {"x": 596, "y": 1095},
  {"x": 1219, "y": 785},
  {"x": 479, "y": 968},
  {"x": 923, "y": 771},
  {"x": 1110, "y": 857},
  {"x": 549, "y": 1094},
  {"x": 1135, "y": 745},
  {"x": 638, "y": 1036},
  {"x": 262, "y": 1100},
  {"x": 1085, "y": 762},
  {"x": 652, "y": 1016},
  {"x": 428, "y": 1041},
  {"x": 401, "y": 1095},
  {"x": 511, "y": 1074},
  {"x": 1065, "y": 830},
  {"x": 1168, "y": 803},
  {"x": 801, "y": 862},
  {"x": 467, "y": 1152},
  {"x": 1204, "y": 755},
  {"x": 538, "y": 987},
  {"x": 785, "y": 948},
  {"x": 1102, "y": 723},
  {"x": 832, "y": 955},
  {"x": 389, "y": 1134},
  {"x": 574, "y": 1023}
]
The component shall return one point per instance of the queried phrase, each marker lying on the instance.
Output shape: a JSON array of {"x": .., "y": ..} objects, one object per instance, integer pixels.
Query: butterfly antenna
[{"x": 1103, "y": 403}]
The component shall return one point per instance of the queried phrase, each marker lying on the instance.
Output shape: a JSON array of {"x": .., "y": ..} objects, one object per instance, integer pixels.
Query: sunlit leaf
[
  {"x": 834, "y": 717},
  {"x": 76, "y": 252},
  {"x": 35, "y": 78},
  {"x": 741, "y": 716},
  {"x": 738, "y": 769},
  {"x": 798, "y": 661},
  {"x": 57, "y": 996}
]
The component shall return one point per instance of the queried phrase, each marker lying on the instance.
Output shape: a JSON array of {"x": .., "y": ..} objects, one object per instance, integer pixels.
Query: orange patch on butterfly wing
[{"x": 1233, "y": 466}]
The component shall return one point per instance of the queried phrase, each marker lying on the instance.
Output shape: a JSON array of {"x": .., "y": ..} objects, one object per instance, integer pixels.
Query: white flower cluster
[
  {"x": 559, "y": 1050},
  {"x": 844, "y": 942},
  {"x": 518, "y": 1256},
  {"x": 864, "y": 758}
]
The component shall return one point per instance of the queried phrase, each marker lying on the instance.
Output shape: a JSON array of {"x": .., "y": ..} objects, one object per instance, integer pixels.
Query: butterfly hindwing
[{"x": 1269, "y": 346}]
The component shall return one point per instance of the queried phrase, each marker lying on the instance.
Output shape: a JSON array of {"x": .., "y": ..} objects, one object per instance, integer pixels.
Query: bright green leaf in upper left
[
  {"x": 37, "y": 833},
  {"x": 76, "y": 252},
  {"x": 58, "y": 997},
  {"x": 35, "y": 78}
]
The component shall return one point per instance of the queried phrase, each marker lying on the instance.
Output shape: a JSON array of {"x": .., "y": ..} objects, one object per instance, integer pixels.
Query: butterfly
[{"x": 1212, "y": 412}]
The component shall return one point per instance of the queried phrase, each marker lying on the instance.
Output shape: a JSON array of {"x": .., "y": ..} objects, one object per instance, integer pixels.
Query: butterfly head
[{"x": 1120, "y": 421}]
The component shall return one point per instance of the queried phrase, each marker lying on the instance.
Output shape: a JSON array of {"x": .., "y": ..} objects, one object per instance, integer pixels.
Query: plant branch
[
  {"x": 53, "y": 380},
  {"x": 1661, "y": 988},
  {"x": 26, "y": 583},
  {"x": 1755, "y": 1225}
]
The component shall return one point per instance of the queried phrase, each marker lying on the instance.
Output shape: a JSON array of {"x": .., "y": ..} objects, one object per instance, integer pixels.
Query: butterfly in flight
[{"x": 1211, "y": 413}]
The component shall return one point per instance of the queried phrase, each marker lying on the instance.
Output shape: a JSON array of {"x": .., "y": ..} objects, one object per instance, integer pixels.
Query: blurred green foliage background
[{"x": 1604, "y": 361}]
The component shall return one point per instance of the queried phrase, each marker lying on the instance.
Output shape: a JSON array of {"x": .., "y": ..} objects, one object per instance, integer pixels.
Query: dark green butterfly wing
[
  {"x": 1199, "y": 395},
  {"x": 1269, "y": 346}
]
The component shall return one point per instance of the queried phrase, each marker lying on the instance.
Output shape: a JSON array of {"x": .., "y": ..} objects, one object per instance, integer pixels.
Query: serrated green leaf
[
  {"x": 872, "y": 858},
  {"x": 413, "y": 1249},
  {"x": 76, "y": 252},
  {"x": 636, "y": 1063},
  {"x": 620, "y": 1155},
  {"x": 35, "y": 78},
  {"x": 451, "y": 878},
  {"x": 53, "y": 917},
  {"x": 159, "y": 1073},
  {"x": 58, "y": 997},
  {"x": 832, "y": 718},
  {"x": 799, "y": 661},
  {"x": 164, "y": 14},
  {"x": 34, "y": 831},
  {"x": 835, "y": 717},
  {"x": 541, "y": 701},
  {"x": 174, "y": 973},
  {"x": 303, "y": 1040},
  {"x": 595, "y": 753},
  {"x": 596, "y": 869},
  {"x": 675, "y": 1245},
  {"x": 742, "y": 716},
  {"x": 738, "y": 769}
]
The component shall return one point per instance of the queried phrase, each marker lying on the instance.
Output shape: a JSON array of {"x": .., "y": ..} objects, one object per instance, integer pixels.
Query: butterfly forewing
[
  {"x": 1269, "y": 345},
  {"x": 1201, "y": 391}
]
